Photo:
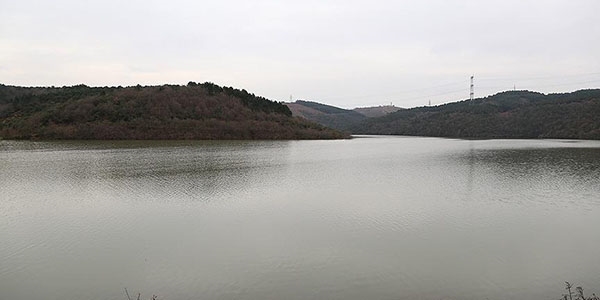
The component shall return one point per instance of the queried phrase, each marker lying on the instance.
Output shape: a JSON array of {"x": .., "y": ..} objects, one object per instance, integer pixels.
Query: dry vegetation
[
  {"x": 515, "y": 114},
  {"x": 195, "y": 111}
]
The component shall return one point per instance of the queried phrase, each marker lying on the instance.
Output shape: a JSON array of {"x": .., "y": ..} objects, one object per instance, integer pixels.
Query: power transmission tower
[{"x": 472, "y": 94}]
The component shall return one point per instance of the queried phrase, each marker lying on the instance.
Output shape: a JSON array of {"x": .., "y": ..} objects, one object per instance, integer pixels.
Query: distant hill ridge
[
  {"x": 194, "y": 111},
  {"x": 377, "y": 111},
  {"x": 512, "y": 114},
  {"x": 335, "y": 117},
  {"x": 326, "y": 115}
]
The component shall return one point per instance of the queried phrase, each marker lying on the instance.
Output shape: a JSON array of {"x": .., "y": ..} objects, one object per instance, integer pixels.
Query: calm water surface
[{"x": 368, "y": 218}]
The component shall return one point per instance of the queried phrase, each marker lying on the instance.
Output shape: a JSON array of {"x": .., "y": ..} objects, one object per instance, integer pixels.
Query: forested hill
[
  {"x": 514, "y": 114},
  {"x": 335, "y": 117},
  {"x": 327, "y": 115},
  {"x": 195, "y": 111},
  {"x": 377, "y": 111}
]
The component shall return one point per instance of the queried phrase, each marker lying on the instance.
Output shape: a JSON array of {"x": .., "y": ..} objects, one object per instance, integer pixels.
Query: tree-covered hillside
[
  {"x": 327, "y": 115},
  {"x": 514, "y": 114},
  {"x": 377, "y": 111},
  {"x": 195, "y": 111}
]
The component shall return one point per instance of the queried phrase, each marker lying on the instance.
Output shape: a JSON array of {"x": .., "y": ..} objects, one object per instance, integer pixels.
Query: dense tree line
[
  {"x": 514, "y": 114},
  {"x": 195, "y": 111}
]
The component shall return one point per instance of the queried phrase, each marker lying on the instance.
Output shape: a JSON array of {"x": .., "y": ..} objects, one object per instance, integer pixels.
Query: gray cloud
[{"x": 346, "y": 53}]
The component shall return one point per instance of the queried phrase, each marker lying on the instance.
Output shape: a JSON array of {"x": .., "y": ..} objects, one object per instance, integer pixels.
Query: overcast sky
[{"x": 346, "y": 53}]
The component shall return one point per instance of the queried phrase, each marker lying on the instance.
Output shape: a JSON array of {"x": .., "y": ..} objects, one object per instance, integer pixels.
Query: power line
[
  {"x": 536, "y": 86},
  {"x": 398, "y": 93},
  {"x": 516, "y": 81},
  {"x": 562, "y": 76}
]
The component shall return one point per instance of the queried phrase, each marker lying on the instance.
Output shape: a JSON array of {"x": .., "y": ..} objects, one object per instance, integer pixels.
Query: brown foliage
[{"x": 156, "y": 112}]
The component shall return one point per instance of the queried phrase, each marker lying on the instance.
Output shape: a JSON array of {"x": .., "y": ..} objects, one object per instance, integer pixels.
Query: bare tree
[
  {"x": 568, "y": 288},
  {"x": 580, "y": 293}
]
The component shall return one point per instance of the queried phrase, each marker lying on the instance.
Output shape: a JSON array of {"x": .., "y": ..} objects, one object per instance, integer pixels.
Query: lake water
[{"x": 367, "y": 218}]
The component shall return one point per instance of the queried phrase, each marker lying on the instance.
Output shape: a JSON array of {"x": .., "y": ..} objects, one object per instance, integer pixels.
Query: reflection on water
[
  {"x": 368, "y": 218},
  {"x": 553, "y": 173}
]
